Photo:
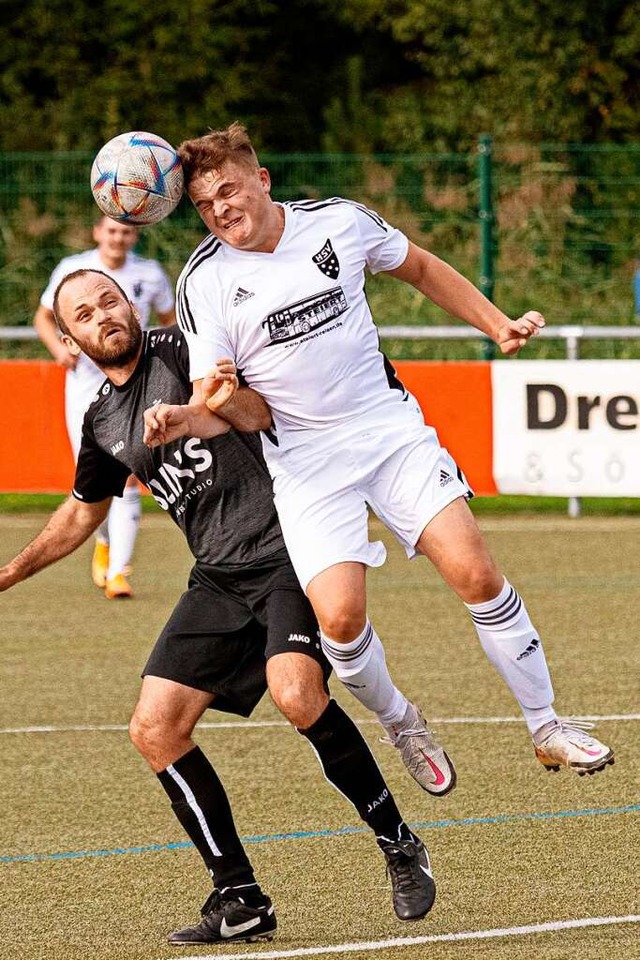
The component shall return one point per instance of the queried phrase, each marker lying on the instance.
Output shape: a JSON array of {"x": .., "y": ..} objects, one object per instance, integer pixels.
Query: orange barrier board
[{"x": 35, "y": 455}]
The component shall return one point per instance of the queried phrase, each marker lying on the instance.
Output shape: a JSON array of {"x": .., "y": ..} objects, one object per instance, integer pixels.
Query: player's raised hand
[
  {"x": 220, "y": 384},
  {"x": 514, "y": 334}
]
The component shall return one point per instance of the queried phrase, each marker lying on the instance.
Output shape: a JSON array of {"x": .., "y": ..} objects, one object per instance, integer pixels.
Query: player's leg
[
  {"x": 338, "y": 597},
  {"x": 186, "y": 666},
  {"x": 454, "y": 544},
  {"x": 325, "y": 526},
  {"x": 124, "y": 521},
  {"x": 356, "y": 653},
  {"x": 80, "y": 387},
  {"x": 161, "y": 729},
  {"x": 297, "y": 674}
]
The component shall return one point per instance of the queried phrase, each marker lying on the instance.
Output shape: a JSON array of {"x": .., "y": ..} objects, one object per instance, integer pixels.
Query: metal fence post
[{"x": 485, "y": 215}]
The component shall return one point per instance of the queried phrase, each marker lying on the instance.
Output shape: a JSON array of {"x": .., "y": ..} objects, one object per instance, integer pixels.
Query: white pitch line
[
  {"x": 551, "y": 524},
  {"x": 551, "y": 927},
  {"x": 226, "y": 724}
]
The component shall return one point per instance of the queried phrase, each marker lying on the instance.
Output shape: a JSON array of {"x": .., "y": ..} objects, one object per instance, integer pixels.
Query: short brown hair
[{"x": 215, "y": 148}]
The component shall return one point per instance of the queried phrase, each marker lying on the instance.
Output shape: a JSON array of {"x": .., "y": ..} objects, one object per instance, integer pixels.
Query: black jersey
[{"x": 218, "y": 491}]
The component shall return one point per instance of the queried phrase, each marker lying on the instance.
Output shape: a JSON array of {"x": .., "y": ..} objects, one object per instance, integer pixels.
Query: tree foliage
[
  {"x": 520, "y": 70},
  {"x": 304, "y": 75}
]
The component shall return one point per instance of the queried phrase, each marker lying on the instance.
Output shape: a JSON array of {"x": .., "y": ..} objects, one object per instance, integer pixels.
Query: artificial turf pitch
[{"x": 94, "y": 865}]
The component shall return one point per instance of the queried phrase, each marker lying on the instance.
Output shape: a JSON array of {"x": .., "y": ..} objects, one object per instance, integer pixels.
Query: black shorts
[{"x": 227, "y": 625}]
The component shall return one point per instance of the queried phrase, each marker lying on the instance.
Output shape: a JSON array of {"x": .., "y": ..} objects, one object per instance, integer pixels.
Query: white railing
[
  {"x": 571, "y": 334},
  {"x": 18, "y": 333}
]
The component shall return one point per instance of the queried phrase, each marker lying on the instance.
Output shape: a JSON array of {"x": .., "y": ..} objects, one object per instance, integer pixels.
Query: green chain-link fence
[{"x": 564, "y": 228}]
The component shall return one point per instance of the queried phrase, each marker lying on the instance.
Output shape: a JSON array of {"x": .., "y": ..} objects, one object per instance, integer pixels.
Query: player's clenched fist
[{"x": 513, "y": 334}]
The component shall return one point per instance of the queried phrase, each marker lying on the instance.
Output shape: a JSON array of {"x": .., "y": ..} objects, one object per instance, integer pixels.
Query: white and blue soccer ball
[{"x": 137, "y": 178}]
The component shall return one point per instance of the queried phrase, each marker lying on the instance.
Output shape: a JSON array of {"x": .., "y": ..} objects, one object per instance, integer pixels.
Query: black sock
[
  {"x": 349, "y": 765},
  {"x": 200, "y": 803}
]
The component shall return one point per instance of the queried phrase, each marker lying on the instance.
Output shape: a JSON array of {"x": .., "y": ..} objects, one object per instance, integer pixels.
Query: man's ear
[
  {"x": 71, "y": 345},
  {"x": 265, "y": 179}
]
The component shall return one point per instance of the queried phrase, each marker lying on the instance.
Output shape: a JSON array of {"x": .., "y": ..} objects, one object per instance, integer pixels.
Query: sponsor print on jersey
[
  {"x": 327, "y": 261},
  {"x": 298, "y": 319},
  {"x": 179, "y": 484}
]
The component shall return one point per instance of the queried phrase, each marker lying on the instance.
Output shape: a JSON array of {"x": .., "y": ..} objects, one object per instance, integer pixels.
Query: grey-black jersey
[{"x": 218, "y": 491}]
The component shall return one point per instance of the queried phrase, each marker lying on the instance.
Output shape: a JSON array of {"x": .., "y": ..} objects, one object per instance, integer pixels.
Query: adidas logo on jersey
[
  {"x": 241, "y": 296},
  {"x": 533, "y": 646},
  {"x": 445, "y": 478}
]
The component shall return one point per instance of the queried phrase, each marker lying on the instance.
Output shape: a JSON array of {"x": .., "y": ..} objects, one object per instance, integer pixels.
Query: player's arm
[
  {"x": 68, "y": 528},
  {"x": 165, "y": 422},
  {"x": 217, "y": 404},
  {"x": 448, "y": 289},
  {"x": 47, "y": 331}
]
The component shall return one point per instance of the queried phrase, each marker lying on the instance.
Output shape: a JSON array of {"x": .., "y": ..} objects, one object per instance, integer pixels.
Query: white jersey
[
  {"x": 147, "y": 286},
  {"x": 296, "y": 321}
]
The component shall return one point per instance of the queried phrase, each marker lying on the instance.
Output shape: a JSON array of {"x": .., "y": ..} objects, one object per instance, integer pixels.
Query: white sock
[
  {"x": 514, "y": 648},
  {"x": 124, "y": 519},
  {"x": 102, "y": 533},
  {"x": 362, "y": 667}
]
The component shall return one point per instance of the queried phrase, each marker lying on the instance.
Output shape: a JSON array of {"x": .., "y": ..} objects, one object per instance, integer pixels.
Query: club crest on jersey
[
  {"x": 137, "y": 288},
  {"x": 327, "y": 261}
]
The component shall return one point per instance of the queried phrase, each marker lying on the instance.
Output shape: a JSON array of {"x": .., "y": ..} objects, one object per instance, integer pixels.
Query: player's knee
[
  {"x": 147, "y": 732},
  {"x": 482, "y": 582},
  {"x": 343, "y": 623},
  {"x": 301, "y": 701},
  {"x": 140, "y": 732}
]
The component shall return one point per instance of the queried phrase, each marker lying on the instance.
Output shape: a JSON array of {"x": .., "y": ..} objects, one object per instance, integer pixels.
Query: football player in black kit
[{"x": 243, "y": 623}]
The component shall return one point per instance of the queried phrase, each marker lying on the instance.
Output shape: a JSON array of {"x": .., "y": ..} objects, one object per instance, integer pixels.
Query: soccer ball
[{"x": 137, "y": 178}]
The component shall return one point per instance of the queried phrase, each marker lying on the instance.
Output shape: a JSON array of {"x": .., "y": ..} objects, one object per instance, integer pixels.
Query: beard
[{"x": 119, "y": 354}]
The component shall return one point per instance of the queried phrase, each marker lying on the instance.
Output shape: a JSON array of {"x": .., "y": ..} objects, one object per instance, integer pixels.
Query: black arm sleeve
[{"x": 98, "y": 474}]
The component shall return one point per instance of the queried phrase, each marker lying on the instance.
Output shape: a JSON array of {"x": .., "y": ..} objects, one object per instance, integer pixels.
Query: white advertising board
[{"x": 567, "y": 427}]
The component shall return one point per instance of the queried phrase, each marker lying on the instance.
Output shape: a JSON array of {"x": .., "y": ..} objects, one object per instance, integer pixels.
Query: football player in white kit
[
  {"x": 279, "y": 289},
  {"x": 147, "y": 285}
]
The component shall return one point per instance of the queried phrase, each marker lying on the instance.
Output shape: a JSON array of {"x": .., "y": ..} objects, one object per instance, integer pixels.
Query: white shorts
[{"x": 392, "y": 463}]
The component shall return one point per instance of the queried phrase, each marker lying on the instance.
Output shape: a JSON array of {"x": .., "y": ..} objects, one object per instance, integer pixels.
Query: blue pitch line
[{"x": 343, "y": 831}]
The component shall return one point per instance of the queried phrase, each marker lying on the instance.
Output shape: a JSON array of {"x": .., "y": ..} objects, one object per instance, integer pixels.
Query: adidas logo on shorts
[{"x": 445, "y": 478}]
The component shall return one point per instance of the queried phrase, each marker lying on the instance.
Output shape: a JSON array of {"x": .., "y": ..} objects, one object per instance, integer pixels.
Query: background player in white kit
[
  {"x": 280, "y": 289},
  {"x": 147, "y": 285}
]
